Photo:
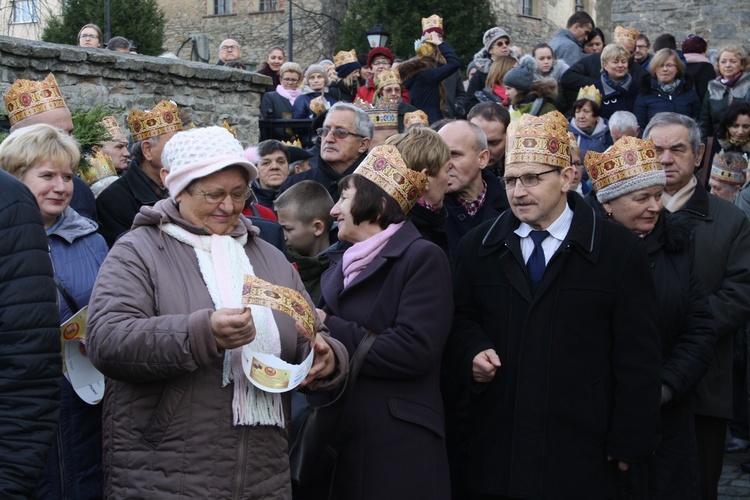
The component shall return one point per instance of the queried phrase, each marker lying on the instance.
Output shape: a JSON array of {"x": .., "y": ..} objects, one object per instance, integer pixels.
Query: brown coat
[{"x": 167, "y": 421}]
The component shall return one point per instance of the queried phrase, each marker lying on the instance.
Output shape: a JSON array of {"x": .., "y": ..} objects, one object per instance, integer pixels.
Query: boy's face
[{"x": 299, "y": 236}]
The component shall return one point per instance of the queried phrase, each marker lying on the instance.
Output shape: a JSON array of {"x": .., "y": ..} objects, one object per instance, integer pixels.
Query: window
[
  {"x": 25, "y": 11},
  {"x": 527, "y": 7},
  {"x": 579, "y": 5},
  {"x": 222, "y": 7},
  {"x": 267, "y": 5}
]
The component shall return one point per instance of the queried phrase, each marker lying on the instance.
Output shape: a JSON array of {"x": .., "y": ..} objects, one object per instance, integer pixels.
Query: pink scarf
[
  {"x": 361, "y": 254},
  {"x": 290, "y": 95}
]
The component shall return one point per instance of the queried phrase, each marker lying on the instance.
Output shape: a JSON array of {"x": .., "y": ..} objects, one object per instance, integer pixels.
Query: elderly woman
[
  {"x": 668, "y": 88},
  {"x": 587, "y": 125},
  {"x": 280, "y": 103},
  {"x": 397, "y": 285},
  {"x": 45, "y": 160},
  {"x": 317, "y": 79},
  {"x": 732, "y": 84},
  {"x": 166, "y": 327},
  {"x": 272, "y": 65},
  {"x": 629, "y": 181},
  {"x": 90, "y": 36},
  {"x": 616, "y": 85}
]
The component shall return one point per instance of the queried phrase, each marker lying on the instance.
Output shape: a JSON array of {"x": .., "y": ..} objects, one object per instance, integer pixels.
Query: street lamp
[{"x": 377, "y": 36}]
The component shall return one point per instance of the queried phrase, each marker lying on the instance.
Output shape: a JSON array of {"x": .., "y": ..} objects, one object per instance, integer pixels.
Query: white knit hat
[{"x": 196, "y": 153}]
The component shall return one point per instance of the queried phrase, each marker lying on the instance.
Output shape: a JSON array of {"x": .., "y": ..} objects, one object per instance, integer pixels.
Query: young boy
[{"x": 304, "y": 212}]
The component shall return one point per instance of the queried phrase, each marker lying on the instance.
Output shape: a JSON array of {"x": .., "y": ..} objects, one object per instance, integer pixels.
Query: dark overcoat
[
  {"x": 580, "y": 370},
  {"x": 394, "y": 445}
]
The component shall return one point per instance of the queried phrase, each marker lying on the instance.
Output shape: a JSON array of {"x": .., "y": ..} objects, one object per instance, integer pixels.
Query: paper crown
[
  {"x": 631, "y": 164},
  {"x": 296, "y": 143},
  {"x": 417, "y": 117},
  {"x": 385, "y": 167},
  {"x": 539, "y": 139},
  {"x": 422, "y": 48},
  {"x": 591, "y": 93},
  {"x": 113, "y": 128},
  {"x": 344, "y": 57},
  {"x": 229, "y": 129},
  {"x": 626, "y": 35},
  {"x": 97, "y": 167},
  {"x": 27, "y": 98},
  {"x": 387, "y": 77},
  {"x": 318, "y": 105},
  {"x": 161, "y": 119},
  {"x": 729, "y": 168},
  {"x": 432, "y": 23}
]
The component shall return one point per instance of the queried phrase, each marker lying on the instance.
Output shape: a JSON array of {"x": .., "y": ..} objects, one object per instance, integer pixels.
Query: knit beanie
[
  {"x": 197, "y": 153},
  {"x": 491, "y": 35},
  {"x": 522, "y": 76},
  {"x": 694, "y": 45},
  {"x": 316, "y": 69}
]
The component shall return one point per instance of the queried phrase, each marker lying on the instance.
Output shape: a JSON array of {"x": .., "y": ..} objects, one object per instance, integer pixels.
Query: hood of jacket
[
  {"x": 740, "y": 90},
  {"x": 168, "y": 210},
  {"x": 74, "y": 226},
  {"x": 599, "y": 130},
  {"x": 483, "y": 61}
]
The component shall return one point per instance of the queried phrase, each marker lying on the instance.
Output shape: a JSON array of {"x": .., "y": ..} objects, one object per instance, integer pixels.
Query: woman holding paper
[
  {"x": 397, "y": 285},
  {"x": 167, "y": 323},
  {"x": 45, "y": 160}
]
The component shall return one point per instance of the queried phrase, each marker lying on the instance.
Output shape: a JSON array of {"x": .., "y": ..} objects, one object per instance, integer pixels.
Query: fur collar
[
  {"x": 740, "y": 90},
  {"x": 483, "y": 61}
]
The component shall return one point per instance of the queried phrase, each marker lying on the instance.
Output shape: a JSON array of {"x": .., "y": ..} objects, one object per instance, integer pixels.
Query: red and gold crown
[
  {"x": 626, "y": 35},
  {"x": 631, "y": 164},
  {"x": 539, "y": 139},
  {"x": 730, "y": 170},
  {"x": 28, "y": 98},
  {"x": 113, "y": 128},
  {"x": 591, "y": 93},
  {"x": 96, "y": 167},
  {"x": 318, "y": 105},
  {"x": 344, "y": 57},
  {"x": 387, "y": 77},
  {"x": 162, "y": 119},
  {"x": 417, "y": 117},
  {"x": 385, "y": 167},
  {"x": 432, "y": 23}
]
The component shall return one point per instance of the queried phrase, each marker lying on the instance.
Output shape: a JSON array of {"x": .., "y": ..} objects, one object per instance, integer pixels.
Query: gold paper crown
[
  {"x": 318, "y": 105},
  {"x": 344, "y": 57},
  {"x": 629, "y": 165},
  {"x": 113, "y": 128},
  {"x": 385, "y": 167},
  {"x": 28, "y": 98},
  {"x": 417, "y": 117},
  {"x": 591, "y": 93},
  {"x": 731, "y": 172},
  {"x": 432, "y": 23},
  {"x": 162, "y": 119},
  {"x": 97, "y": 167},
  {"x": 539, "y": 139},
  {"x": 229, "y": 129},
  {"x": 626, "y": 35},
  {"x": 296, "y": 143},
  {"x": 424, "y": 49},
  {"x": 387, "y": 77}
]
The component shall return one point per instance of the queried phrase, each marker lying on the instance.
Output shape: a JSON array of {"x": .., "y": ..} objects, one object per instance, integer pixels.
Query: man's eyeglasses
[
  {"x": 641, "y": 46},
  {"x": 338, "y": 133},
  {"x": 229, "y": 47},
  {"x": 86, "y": 36},
  {"x": 216, "y": 197},
  {"x": 528, "y": 180}
]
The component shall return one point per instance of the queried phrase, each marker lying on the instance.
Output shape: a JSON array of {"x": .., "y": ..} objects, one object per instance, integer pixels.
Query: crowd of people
[{"x": 553, "y": 254}]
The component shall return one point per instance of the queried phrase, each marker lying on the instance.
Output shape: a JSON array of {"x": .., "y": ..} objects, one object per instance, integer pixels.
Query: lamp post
[{"x": 377, "y": 36}]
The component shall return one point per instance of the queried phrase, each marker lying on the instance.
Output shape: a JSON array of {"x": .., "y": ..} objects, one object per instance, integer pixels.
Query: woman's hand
[
  {"x": 324, "y": 361},
  {"x": 232, "y": 328},
  {"x": 434, "y": 39},
  {"x": 322, "y": 315}
]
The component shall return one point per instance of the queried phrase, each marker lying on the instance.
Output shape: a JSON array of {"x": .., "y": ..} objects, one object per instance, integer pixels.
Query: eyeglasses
[
  {"x": 641, "y": 46},
  {"x": 528, "y": 180},
  {"x": 290, "y": 80},
  {"x": 229, "y": 47},
  {"x": 86, "y": 36},
  {"x": 502, "y": 43},
  {"x": 216, "y": 197},
  {"x": 381, "y": 63},
  {"x": 338, "y": 133},
  {"x": 669, "y": 65}
]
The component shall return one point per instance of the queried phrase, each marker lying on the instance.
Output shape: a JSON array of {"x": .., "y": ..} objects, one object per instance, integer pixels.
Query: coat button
[{"x": 461, "y": 217}]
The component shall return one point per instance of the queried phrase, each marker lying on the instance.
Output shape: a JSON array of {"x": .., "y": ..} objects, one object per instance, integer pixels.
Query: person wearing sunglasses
[
  {"x": 344, "y": 142},
  {"x": 567, "y": 42},
  {"x": 496, "y": 46}
]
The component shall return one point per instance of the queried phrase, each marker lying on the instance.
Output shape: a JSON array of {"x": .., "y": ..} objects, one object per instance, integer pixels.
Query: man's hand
[
  {"x": 623, "y": 466},
  {"x": 324, "y": 361},
  {"x": 485, "y": 365},
  {"x": 232, "y": 328}
]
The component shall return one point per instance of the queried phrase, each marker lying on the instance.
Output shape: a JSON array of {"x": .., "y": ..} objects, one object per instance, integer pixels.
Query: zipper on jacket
[
  {"x": 61, "y": 464},
  {"x": 239, "y": 478}
]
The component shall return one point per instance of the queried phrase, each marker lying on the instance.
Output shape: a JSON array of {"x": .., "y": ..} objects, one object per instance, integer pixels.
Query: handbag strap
[
  {"x": 358, "y": 358},
  {"x": 66, "y": 295}
]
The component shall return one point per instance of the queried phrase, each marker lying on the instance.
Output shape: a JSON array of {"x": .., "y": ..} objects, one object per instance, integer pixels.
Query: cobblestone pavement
[{"x": 734, "y": 483}]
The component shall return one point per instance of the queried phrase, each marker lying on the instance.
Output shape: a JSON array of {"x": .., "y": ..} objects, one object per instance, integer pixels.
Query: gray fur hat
[{"x": 522, "y": 76}]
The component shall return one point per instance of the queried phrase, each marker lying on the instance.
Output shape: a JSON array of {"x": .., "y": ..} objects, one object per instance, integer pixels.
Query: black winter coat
[
  {"x": 323, "y": 174},
  {"x": 577, "y": 384},
  {"x": 30, "y": 362},
  {"x": 651, "y": 100}
]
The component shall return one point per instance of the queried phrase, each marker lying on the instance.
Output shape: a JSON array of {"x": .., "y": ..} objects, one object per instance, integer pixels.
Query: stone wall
[
  {"x": 527, "y": 31},
  {"x": 206, "y": 94},
  {"x": 720, "y": 22}
]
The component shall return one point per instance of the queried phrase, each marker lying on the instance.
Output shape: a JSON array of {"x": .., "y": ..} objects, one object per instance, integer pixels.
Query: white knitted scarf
[{"x": 223, "y": 264}]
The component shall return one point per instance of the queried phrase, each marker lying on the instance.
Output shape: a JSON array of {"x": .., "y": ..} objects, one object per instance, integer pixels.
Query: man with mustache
[{"x": 554, "y": 335}]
